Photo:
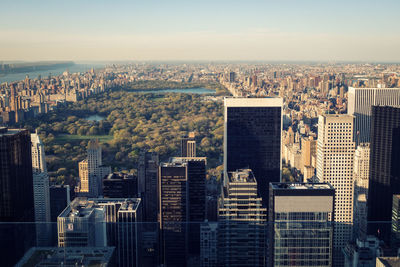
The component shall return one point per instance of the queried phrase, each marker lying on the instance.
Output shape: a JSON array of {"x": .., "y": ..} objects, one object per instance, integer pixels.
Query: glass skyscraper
[
  {"x": 252, "y": 139},
  {"x": 301, "y": 224}
]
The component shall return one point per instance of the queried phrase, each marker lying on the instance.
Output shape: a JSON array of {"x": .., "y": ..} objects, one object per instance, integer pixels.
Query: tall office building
[
  {"x": 173, "y": 216},
  {"x": 360, "y": 102},
  {"x": 16, "y": 183},
  {"x": 92, "y": 170},
  {"x": 182, "y": 207},
  {"x": 252, "y": 139},
  {"x": 16, "y": 194},
  {"x": 148, "y": 184},
  {"x": 101, "y": 222},
  {"x": 335, "y": 155},
  {"x": 41, "y": 192},
  {"x": 60, "y": 198},
  {"x": 384, "y": 171},
  {"x": 361, "y": 181},
  {"x": 81, "y": 225},
  {"x": 188, "y": 145},
  {"x": 301, "y": 224},
  {"x": 242, "y": 222}
]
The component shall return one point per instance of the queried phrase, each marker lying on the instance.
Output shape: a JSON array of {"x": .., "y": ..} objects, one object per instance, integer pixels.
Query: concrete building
[
  {"x": 253, "y": 139},
  {"x": 82, "y": 225},
  {"x": 242, "y": 222},
  {"x": 103, "y": 222},
  {"x": 92, "y": 171},
  {"x": 188, "y": 145},
  {"x": 360, "y": 102},
  {"x": 300, "y": 222},
  {"x": 361, "y": 181},
  {"x": 41, "y": 193},
  {"x": 335, "y": 155}
]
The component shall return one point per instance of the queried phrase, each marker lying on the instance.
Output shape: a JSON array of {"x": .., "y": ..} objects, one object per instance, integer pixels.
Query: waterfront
[{"x": 12, "y": 77}]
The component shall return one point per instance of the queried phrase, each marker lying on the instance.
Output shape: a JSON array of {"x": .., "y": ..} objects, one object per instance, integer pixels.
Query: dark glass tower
[
  {"x": 148, "y": 184},
  {"x": 16, "y": 180},
  {"x": 252, "y": 139},
  {"x": 16, "y": 194},
  {"x": 182, "y": 208},
  {"x": 384, "y": 174}
]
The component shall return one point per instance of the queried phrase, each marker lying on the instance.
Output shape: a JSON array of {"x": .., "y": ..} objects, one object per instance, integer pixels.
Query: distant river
[
  {"x": 187, "y": 91},
  {"x": 11, "y": 77}
]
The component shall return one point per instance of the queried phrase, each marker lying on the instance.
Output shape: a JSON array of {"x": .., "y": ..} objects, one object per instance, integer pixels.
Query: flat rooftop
[
  {"x": 4, "y": 131},
  {"x": 83, "y": 207},
  {"x": 71, "y": 256},
  {"x": 304, "y": 186},
  {"x": 253, "y": 102}
]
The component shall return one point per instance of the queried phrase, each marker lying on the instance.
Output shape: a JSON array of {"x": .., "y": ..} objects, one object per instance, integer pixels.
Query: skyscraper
[
  {"x": 182, "y": 207},
  {"x": 102, "y": 222},
  {"x": 173, "y": 213},
  {"x": 242, "y": 222},
  {"x": 188, "y": 145},
  {"x": 60, "y": 198},
  {"x": 360, "y": 103},
  {"x": 16, "y": 182},
  {"x": 335, "y": 155},
  {"x": 41, "y": 192},
  {"x": 92, "y": 171},
  {"x": 252, "y": 139},
  {"x": 16, "y": 194},
  {"x": 361, "y": 181},
  {"x": 384, "y": 175},
  {"x": 148, "y": 184},
  {"x": 301, "y": 224}
]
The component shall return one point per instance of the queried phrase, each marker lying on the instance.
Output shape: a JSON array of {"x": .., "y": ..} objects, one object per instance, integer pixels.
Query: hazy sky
[{"x": 367, "y": 30}]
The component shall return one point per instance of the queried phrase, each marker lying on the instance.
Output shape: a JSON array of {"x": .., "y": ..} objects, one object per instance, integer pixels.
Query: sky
[{"x": 287, "y": 30}]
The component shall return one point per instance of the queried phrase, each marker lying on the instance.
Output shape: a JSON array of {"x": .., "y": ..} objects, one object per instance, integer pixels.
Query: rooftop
[
  {"x": 4, "y": 131},
  {"x": 71, "y": 256},
  {"x": 83, "y": 207},
  {"x": 314, "y": 186},
  {"x": 241, "y": 176}
]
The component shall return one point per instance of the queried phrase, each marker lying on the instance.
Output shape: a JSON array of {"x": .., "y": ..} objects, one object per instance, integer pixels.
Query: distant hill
[{"x": 19, "y": 67}]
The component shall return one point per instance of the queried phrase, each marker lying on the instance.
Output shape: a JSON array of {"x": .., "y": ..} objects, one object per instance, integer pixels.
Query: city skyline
[{"x": 174, "y": 30}]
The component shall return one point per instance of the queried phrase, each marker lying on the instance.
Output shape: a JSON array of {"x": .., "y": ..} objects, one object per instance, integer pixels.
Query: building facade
[
  {"x": 384, "y": 175},
  {"x": 252, "y": 139},
  {"x": 360, "y": 102},
  {"x": 241, "y": 222},
  {"x": 361, "y": 181},
  {"x": 188, "y": 145},
  {"x": 335, "y": 155},
  {"x": 148, "y": 184},
  {"x": 301, "y": 224}
]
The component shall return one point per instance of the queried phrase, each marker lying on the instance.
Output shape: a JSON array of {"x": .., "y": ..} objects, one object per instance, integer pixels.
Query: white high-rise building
[
  {"x": 41, "y": 193},
  {"x": 360, "y": 101},
  {"x": 335, "y": 155},
  {"x": 361, "y": 180}
]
